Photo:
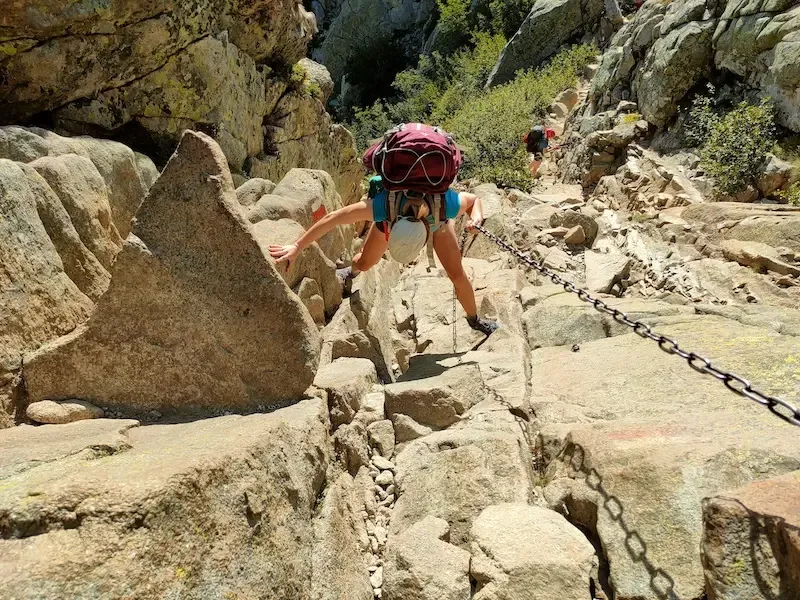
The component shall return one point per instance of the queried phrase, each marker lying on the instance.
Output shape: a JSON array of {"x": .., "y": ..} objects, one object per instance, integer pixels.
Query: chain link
[{"x": 738, "y": 385}]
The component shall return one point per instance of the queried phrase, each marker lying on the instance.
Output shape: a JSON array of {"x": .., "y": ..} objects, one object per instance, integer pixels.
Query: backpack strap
[
  {"x": 391, "y": 211},
  {"x": 436, "y": 207}
]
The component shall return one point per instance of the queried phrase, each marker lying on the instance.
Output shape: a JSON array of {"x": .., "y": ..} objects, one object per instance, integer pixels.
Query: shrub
[
  {"x": 703, "y": 117},
  {"x": 315, "y": 91},
  {"x": 791, "y": 194},
  {"x": 454, "y": 24},
  {"x": 433, "y": 90},
  {"x": 490, "y": 127},
  {"x": 631, "y": 118},
  {"x": 737, "y": 144},
  {"x": 297, "y": 77},
  {"x": 370, "y": 123}
]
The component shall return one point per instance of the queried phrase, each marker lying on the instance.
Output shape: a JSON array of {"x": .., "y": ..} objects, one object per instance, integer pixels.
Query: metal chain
[{"x": 780, "y": 408}]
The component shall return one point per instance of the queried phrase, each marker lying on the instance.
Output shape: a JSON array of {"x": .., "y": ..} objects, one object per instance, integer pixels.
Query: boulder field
[{"x": 375, "y": 454}]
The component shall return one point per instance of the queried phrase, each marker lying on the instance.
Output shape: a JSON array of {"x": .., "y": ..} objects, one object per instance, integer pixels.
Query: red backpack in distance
[{"x": 414, "y": 156}]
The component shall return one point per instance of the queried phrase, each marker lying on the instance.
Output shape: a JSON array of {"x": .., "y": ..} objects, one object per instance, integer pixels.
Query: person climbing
[
  {"x": 407, "y": 212},
  {"x": 536, "y": 142}
]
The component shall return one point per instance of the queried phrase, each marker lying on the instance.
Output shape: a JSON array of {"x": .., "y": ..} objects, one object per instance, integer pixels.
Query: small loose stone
[
  {"x": 384, "y": 464},
  {"x": 381, "y": 535},
  {"x": 390, "y": 489},
  {"x": 376, "y": 579},
  {"x": 386, "y": 478}
]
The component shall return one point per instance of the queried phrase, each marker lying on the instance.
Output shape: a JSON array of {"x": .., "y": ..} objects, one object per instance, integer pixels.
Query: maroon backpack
[{"x": 415, "y": 157}]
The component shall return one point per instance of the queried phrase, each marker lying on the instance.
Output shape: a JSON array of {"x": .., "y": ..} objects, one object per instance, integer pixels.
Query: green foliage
[
  {"x": 703, "y": 117},
  {"x": 632, "y": 118},
  {"x": 454, "y": 24},
  {"x": 790, "y": 195},
  {"x": 315, "y": 91},
  {"x": 508, "y": 15},
  {"x": 490, "y": 127},
  {"x": 736, "y": 143},
  {"x": 297, "y": 77},
  {"x": 370, "y": 123},
  {"x": 433, "y": 90}
]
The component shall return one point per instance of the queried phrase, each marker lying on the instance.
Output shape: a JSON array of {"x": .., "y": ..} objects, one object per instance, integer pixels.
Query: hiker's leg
[
  {"x": 445, "y": 243},
  {"x": 371, "y": 252}
]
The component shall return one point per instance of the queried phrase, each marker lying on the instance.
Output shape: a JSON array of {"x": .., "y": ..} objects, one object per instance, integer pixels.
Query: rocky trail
[
  {"x": 183, "y": 419},
  {"x": 562, "y": 457}
]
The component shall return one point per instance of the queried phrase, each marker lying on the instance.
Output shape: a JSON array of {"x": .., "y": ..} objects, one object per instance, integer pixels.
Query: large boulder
[
  {"x": 757, "y": 41},
  {"x": 362, "y": 33},
  {"x": 495, "y": 206},
  {"x": 660, "y": 55},
  {"x": 309, "y": 194},
  {"x": 347, "y": 382},
  {"x": 82, "y": 192},
  {"x": 147, "y": 72},
  {"x": 523, "y": 551},
  {"x": 311, "y": 264},
  {"x": 127, "y": 175},
  {"x": 641, "y": 439},
  {"x": 431, "y": 478},
  {"x": 758, "y": 256},
  {"x": 605, "y": 270},
  {"x": 549, "y": 25},
  {"x": 205, "y": 509},
  {"x": 673, "y": 66},
  {"x": 364, "y": 324},
  {"x": 192, "y": 300},
  {"x": 434, "y": 395},
  {"x": 339, "y": 565},
  {"x": 775, "y": 225},
  {"x": 38, "y": 301},
  {"x": 128, "y": 41},
  {"x": 177, "y": 92},
  {"x": 422, "y": 564},
  {"x": 751, "y": 545},
  {"x": 564, "y": 319}
]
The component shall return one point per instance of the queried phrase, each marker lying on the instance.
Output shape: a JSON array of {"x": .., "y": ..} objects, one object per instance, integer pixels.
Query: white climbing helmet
[{"x": 406, "y": 239}]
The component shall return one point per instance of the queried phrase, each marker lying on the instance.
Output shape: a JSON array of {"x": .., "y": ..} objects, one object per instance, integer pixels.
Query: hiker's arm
[
  {"x": 471, "y": 205},
  {"x": 360, "y": 211}
]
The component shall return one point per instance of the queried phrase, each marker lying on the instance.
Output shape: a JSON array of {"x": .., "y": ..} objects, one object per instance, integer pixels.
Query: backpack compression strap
[{"x": 437, "y": 206}]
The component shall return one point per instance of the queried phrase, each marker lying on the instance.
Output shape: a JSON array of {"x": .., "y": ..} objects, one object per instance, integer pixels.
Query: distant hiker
[
  {"x": 536, "y": 142},
  {"x": 411, "y": 206}
]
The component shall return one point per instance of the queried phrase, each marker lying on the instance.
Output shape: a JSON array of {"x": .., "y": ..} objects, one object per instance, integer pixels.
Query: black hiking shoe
[
  {"x": 485, "y": 326},
  {"x": 345, "y": 278}
]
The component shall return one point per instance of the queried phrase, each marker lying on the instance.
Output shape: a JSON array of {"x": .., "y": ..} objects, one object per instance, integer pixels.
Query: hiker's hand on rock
[{"x": 286, "y": 254}]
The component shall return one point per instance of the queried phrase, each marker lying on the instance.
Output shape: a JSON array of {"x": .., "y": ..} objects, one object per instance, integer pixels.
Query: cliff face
[
  {"x": 363, "y": 38},
  {"x": 142, "y": 72},
  {"x": 669, "y": 47}
]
